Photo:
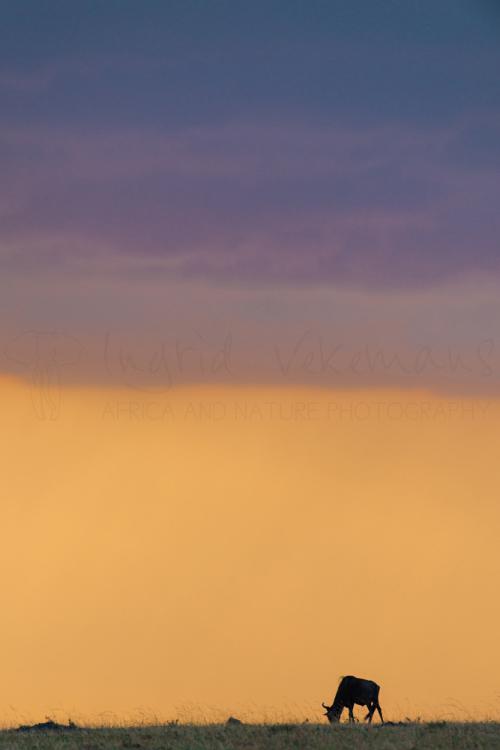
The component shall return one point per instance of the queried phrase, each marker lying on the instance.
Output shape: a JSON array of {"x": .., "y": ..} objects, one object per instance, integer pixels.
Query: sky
[{"x": 249, "y": 354}]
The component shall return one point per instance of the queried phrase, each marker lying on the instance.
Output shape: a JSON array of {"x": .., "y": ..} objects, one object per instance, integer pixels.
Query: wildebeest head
[{"x": 332, "y": 713}]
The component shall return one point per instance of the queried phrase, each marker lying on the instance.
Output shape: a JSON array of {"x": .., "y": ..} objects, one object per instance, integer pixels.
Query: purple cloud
[{"x": 385, "y": 206}]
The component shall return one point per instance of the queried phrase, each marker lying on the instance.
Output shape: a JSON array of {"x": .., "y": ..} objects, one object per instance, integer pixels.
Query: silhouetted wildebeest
[{"x": 353, "y": 690}]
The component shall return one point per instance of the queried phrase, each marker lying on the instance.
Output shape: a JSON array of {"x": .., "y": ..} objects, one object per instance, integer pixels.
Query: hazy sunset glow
[{"x": 227, "y": 547}]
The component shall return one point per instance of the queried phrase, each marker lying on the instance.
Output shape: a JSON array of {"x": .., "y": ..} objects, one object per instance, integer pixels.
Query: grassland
[{"x": 262, "y": 737}]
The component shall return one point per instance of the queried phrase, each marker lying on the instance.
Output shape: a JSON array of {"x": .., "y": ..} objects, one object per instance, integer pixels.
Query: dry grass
[{"x": 264, "y": 736}]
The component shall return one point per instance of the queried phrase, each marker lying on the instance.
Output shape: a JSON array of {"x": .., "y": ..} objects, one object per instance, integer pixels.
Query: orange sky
[{"x": 161, "y": 559}]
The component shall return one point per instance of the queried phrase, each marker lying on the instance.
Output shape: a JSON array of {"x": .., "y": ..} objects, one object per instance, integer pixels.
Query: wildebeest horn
[{"x": 327, "y": 707}]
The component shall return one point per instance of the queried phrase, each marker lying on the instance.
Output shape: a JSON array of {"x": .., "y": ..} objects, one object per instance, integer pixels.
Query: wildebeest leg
[
  {"x": 379, "y": 712},
  {"x": 351, "y": 715},
  {"x": 371, "y": 711}
]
